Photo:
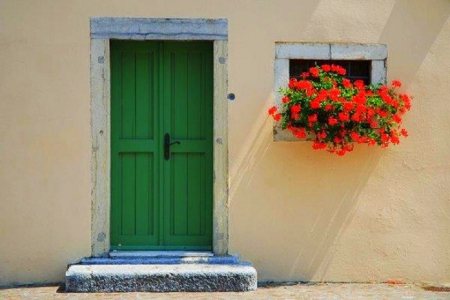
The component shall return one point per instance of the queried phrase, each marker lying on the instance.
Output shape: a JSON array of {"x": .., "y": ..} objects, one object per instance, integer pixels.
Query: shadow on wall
[
  {"x": 245, "y": 60},
  {"x": 290, "y": 204},
  {"x": 410, "y": 31}
]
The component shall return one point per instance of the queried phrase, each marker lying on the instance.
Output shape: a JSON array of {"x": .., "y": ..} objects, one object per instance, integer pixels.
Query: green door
[{"x": 161, "y": 145}]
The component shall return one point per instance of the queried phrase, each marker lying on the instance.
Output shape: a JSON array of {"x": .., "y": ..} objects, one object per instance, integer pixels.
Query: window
[
  {"x": 362, "y": 61},
  {"x": 356, "y": 69}
]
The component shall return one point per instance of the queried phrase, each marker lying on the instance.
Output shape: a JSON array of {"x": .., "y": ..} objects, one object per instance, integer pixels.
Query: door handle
[{"x": 167, "y": 145}]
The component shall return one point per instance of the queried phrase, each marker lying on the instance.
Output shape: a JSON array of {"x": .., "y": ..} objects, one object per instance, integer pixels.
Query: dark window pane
[{"x": 356, "y": 69}]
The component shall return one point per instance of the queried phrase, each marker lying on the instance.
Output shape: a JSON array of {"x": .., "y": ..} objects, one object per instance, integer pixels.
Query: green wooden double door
[{"x": 161, "y": 145}]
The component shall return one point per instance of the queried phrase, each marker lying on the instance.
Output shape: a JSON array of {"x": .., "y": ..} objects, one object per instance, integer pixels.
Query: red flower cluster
[
  {"x": 273, "y": 112},
  {"x": 340, "y": 112}
]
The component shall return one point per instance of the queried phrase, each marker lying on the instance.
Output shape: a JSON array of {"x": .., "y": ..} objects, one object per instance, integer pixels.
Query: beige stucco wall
[{"x": 295, "y": 213}]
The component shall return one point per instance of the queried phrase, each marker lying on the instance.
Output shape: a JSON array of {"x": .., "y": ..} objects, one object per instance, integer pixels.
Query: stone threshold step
[
  {"x": 164, "y": 260},
  {"x": 142, "y": 254},
  {"x": 161, "y": 278}
]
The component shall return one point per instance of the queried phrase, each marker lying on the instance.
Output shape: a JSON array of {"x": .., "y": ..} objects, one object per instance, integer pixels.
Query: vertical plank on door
[
  {"x": 179, "y": 108},
  {"x": 143, "y": 131},
  {"x": 196, "y": 125},
  {"x": 128, "y": 131}
]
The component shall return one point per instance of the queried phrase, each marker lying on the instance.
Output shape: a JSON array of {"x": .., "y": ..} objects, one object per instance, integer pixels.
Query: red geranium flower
[
  {"x": 314, "y": 104},
  {"x": 272, "y": 110},
  {"x": 328, "y": 107},
  {"x": 397, "y": 118},
  {"x": 318, "y": 145},
  {"x": 359, "y": 84},
  {"x": 277, "y": 117},
  {"x": 343, "y": 117},
  {"x": 326, "y": 68},
  {"x": 348, "y": 106},
  {"x": 346, "y": 83},
  {"x": 396, "y": 83},
  {"x": 356, "y": 117},
  {"x": 314, "y": 72},
  {"x": 295, "y": 108},
  {"x": 312, "y": 118},
  {"x": 332, "y": 121},
  {"x": 354, "y": 136},
  {"x": 322, "y": 135},
  {"x": 404, "y": 132}
]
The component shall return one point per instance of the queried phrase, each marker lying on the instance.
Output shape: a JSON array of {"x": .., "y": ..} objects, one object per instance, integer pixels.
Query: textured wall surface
[{"x": 296, "y": 213}]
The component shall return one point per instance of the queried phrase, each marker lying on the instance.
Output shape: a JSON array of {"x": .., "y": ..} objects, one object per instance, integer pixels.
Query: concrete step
[
  {"x": 162, "y": 260},
  {"x": 183, "y": 277}
]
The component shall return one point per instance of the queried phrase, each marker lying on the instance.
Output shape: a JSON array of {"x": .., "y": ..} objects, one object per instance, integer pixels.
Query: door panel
[
  {"x": 159, "y": 88},
  {"x": 134, "y": 144},
  {"x": 188, "y": 89}
]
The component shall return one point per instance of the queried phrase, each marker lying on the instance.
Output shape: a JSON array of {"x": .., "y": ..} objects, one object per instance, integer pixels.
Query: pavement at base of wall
[{"x": 268, "y": 291}]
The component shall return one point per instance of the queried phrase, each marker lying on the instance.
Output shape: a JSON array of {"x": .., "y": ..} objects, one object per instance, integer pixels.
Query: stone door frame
[{"x": 102, "y": 31}]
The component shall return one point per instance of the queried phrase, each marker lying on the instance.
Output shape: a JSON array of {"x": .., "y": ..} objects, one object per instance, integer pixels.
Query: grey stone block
[
  {"x": 358, "y": 51},
  {"x": 302, "y": 51},
  {"x": 161, "y": 278},
  {"x": 158, "y": 28}
]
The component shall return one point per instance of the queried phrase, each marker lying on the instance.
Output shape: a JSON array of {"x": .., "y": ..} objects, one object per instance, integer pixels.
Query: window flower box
[{"x": 336, "y": 113}]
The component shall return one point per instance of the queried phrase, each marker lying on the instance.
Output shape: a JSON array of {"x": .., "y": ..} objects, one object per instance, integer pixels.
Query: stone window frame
[
  {"x": 285, "y": 51},
  {"x": 102, "y": 30}
]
